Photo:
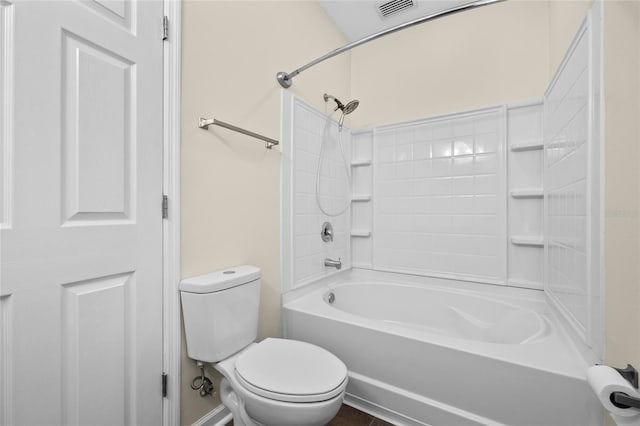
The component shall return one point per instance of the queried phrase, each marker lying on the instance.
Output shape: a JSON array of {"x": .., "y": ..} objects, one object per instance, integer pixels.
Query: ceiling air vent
[{"x": 394, "y": 6}]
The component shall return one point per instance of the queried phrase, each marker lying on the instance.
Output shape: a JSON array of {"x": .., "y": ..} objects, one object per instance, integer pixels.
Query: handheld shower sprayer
[{"x": 345, "y": 109}]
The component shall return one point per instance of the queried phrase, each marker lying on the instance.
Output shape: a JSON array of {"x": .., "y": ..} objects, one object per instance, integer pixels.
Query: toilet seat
[{"x": 291, "y": 371}]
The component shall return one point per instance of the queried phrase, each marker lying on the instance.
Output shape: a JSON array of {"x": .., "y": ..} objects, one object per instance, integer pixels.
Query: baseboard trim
[
  {"x": 219, "y": 416},
  {"x": 379, "y": 412}
]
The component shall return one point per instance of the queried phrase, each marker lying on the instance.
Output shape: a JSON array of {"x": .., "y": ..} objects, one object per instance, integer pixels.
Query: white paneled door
[{"x": 80, "y": 212}]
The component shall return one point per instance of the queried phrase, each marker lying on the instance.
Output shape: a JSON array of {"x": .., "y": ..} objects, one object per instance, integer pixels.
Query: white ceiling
[{"x": 360, "y": 18}]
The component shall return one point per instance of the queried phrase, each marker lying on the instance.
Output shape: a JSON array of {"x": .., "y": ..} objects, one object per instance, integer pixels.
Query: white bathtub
[{"x": 424, "y": 351}]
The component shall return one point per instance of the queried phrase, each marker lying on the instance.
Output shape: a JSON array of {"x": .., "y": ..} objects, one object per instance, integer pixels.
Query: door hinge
[
  {"x": 164, "y": 385},
  {"x": 165, "y": 207},
  {"x": 165, "y": 28}
]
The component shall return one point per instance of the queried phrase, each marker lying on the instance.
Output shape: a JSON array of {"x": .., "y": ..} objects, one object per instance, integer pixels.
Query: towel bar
[{"x": 204, "y": 123}]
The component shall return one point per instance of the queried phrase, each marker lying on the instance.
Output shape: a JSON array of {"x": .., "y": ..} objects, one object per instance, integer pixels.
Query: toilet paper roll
[
  {"x": 626, "y": 421},
  {"x": 604, "y": 381}
]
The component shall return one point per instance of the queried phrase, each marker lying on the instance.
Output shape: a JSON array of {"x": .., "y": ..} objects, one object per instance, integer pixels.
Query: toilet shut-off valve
[{"x": 202, "y": 382}]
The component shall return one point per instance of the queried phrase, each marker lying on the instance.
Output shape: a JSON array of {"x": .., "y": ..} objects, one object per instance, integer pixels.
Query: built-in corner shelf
[
  {"x": 525, "y": 240},
  {"x": 528, "y": 193},
  {"x": 363, "y": 233},
  {"x": 361, "y": 197},
  {"x": 360, "y": 163},
  {"x": 529, "y": 146}
]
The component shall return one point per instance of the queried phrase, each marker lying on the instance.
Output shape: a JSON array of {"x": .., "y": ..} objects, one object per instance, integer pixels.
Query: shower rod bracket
[{"x": 284, "y": 79}]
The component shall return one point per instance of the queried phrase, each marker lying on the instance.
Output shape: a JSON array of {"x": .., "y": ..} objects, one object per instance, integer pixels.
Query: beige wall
[
  {"x": 565, "y": 17},
  {"x": 231, "y": 52},
  {"x": 483, "y": 57},
  {"x": 499, "y": 53},
  {"x": 622, "y": 182}
]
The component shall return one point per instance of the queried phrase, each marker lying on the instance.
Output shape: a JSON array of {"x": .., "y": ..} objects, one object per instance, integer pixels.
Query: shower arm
[{"x": 286, "y": 79}]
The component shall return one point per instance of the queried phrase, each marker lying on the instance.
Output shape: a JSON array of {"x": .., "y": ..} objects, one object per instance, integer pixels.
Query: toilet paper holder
[
  {"x": 630, "y": 374},
  {"x": 621, "y": 399}
]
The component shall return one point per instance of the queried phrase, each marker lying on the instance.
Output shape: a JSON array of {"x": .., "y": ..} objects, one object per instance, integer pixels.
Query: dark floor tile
[
  {"x": 379, "y": 422},
  {"x": 349, "y": 416}
]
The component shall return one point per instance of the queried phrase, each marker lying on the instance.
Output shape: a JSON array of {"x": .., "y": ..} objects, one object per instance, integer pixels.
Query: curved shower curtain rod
[{"x": 286, "y": 79}]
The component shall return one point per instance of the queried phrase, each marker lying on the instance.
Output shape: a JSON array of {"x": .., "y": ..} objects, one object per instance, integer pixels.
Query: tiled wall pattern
[
  {"x": 439, "y": 197},
  {"x": 310, "y": 131},
  {"x": 566, "y": 118}
]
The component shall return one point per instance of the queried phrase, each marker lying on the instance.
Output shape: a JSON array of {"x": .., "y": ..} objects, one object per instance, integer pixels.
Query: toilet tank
[{"x": 220, "y": 311}]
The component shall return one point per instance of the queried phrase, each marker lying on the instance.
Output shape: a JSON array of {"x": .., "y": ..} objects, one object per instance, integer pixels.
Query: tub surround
[
  {"x": 304, "y": 128},
  {"x": 572, "y": 187},
  {"x": 525, "y": 199},
  {"x": 455, "y": 196},
  {"x": 437, "y": 205}
]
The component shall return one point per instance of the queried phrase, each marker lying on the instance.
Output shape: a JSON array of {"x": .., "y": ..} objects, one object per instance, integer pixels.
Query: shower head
[
  {"x": 350, "y": 107},
  {"x": 346, "y": 109}
]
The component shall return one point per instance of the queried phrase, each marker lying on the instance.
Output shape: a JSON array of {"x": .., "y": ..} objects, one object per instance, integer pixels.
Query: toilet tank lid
[{"x": 220, "y": 280}]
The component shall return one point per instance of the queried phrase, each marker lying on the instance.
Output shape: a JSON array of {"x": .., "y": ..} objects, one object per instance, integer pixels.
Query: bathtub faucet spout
[{"x": 331, "y": 263}]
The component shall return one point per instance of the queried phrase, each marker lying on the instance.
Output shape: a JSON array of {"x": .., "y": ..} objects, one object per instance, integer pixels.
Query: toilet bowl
[
  {"x": 284, "y": 383},
  {"x": 277, "y": 382}
]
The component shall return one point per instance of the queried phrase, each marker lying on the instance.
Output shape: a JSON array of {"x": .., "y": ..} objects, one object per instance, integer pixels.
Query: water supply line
[
  {"x": 286, "y": 79},
  {"x": 202, "y": 383}
]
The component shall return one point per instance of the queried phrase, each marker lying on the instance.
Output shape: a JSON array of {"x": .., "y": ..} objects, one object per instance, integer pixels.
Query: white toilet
[{"x": 276, "y": 382}]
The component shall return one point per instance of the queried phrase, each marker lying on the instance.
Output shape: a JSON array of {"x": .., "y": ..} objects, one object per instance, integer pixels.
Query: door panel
[
  {"x": 119, "y": 11},
  {"x": 97, "y": 142},
  {"x": 85, "y": 305},
  {"x": 81, "y": 242}
]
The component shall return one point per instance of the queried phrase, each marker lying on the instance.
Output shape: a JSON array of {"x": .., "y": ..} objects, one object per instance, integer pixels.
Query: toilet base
[
  {"x": 249, "y": 409},
  {"x": 274, "y": 413},
  {"x": 235, "y": 404}
]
